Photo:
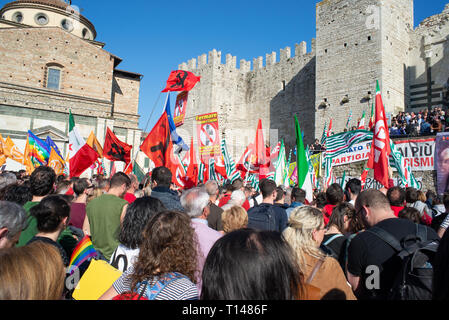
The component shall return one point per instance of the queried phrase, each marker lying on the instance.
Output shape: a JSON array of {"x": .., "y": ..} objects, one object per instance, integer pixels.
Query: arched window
[
  {"x": 67, "y": 25},
  {"x": 53, "y": 76}
]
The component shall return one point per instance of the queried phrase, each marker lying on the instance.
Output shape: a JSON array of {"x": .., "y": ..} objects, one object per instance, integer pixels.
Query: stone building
[
  {"x": 357, "y": 42},
  {"x": 50, "y": 63}
]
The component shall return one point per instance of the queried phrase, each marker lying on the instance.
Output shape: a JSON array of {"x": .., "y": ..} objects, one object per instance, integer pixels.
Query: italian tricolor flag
[
  {"x": 81, "y": 155},
  {"x": 304, "y": 174}
]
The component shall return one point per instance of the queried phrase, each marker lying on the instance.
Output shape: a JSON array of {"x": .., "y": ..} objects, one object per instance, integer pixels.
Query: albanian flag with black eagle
[
  {"x": 180, "y": 80},
  {"x": 116, "y": 150}
]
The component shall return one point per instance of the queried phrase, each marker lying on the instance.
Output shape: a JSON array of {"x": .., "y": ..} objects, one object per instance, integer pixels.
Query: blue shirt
[{"x": 293, "y": 206}]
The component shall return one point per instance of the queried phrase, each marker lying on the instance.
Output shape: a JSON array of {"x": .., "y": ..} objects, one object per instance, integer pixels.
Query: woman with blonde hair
[
  {"x": 304, "y": 233},
  {"x": 32, "y": 272},
  {"x": 234, "y": 218}
]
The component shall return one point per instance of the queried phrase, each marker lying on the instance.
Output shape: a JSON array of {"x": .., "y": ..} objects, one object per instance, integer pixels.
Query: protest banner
[
  {"x": 373, "y": 184},
  {"x": 180, "y": 108},
  {"x": 208, "y": 135},
  {"x": 418, "y": 153},
  {"x": 356, "y": 153}
]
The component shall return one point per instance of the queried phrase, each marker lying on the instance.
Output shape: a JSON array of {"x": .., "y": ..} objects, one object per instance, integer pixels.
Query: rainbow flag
[
  {"x": 82, "y": 253},
  {"x": 39, "y": 150}
]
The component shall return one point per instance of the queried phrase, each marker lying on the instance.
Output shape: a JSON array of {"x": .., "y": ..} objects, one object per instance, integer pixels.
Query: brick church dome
[
  {"x": 49, "y": 13},
  {"x": 52, "y": 3}
]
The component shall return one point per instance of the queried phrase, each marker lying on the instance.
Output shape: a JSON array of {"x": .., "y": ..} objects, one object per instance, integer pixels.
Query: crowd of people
[
  {"x": 413, "y": 124},
  {"x": 424, "y": 122},
  {"x": 215, "y": 242}
]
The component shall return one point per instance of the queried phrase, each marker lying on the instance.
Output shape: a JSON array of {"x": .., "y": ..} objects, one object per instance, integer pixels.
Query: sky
[{"x": 155, "y": 37}]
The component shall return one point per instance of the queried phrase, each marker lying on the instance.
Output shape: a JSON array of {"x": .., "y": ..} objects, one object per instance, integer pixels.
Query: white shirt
[{"x": 123, "y": 258}]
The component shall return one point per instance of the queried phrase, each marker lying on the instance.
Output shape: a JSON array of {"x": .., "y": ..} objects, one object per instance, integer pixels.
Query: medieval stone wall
[
  {"x": 272, "y": 92},
  {"x": 358, "y": 42}
]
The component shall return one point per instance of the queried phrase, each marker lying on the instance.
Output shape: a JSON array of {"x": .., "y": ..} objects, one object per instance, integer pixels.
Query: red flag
[
  {"x": 179, "y": 173},
  {"x": 330, "y": 129},
  {"x": 116, "y": 150},
  {"x": 262, "y": 153},
  {"x": 180, "y": 80},
  {"x": 246, "y": 161},
  {"x": 220, "y": 167},
  {"x": 381, "y": 142},
  {"x": 158, "y": 145},
  {"x": 191, "y": 179},
  {"x": 129, "y": 169}
]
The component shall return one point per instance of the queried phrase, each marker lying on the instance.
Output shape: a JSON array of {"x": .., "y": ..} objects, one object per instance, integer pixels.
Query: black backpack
[
  {"x": 416, "y": 255},
  {"x": 262, "y": 217}
]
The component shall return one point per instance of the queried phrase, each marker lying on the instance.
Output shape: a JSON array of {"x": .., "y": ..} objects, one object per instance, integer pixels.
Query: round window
[
  {"x": 17, "y": 17},
  {"x": 41, "y": 19},
  {"x": 67, "y": 25}
]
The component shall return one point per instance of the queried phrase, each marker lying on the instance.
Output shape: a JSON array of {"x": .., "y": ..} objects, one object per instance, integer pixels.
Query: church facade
[{"x": 51, "y": 64}]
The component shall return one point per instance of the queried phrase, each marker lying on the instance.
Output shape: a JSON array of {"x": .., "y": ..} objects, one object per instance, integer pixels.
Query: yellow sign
[{"x": 97, "y": 279}]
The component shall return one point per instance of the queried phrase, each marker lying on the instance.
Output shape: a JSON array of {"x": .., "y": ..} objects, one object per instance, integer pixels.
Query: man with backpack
[
  {"x": 378, "y": 265},
  {"x": 267, "y": 216}
]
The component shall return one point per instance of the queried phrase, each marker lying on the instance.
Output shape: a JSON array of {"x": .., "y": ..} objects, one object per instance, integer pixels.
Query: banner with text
[
  {"x": 208, "y": 136},
  {"x": 418, "y": 153},
  {"x": 358, "y": 152},
  {"x": 373, "y": 184}
]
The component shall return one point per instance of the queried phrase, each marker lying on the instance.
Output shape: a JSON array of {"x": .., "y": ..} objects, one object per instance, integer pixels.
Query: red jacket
[
  {"x": 396, "y": 210},
  {"x": 327, "y": 212}
]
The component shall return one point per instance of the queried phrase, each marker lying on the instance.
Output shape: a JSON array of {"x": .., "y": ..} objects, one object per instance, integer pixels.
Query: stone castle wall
[
  {"x": 272, "y": 91},
  {"x": 358, "y": 42}
]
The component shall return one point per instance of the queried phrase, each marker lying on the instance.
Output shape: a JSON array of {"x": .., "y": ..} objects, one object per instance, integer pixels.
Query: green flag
[{"x": 304, "y": 179}]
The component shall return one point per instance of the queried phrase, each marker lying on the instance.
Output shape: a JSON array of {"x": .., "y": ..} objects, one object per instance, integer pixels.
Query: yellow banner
[{"x": 93, "y": 142}]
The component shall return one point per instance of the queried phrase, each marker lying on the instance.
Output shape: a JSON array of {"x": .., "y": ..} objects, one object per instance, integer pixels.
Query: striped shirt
[
  {"x": 179, "y": 289},
  {"x": 445, "y": 223}
]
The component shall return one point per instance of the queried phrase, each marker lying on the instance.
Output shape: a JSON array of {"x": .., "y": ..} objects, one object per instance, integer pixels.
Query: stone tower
[{"x": 359, "y": 42}]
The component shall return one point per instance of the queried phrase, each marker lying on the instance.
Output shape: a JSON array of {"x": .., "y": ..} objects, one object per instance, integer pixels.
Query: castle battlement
[{"x": 213, "y": 58}]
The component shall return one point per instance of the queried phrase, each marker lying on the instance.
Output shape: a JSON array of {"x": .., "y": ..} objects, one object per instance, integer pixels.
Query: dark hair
[
  {"x": 267, "y": 187},
  {"x": 19, "y": 194},
  {"x": 280, "y": 194},
  {"x": 80, "y": 186},
  {"x": 446, "y": 200},
  {"x": 60, "y": 178},
  {"x": 440, "y": 266},
  {"x": 120, "y": 179},
  {"x": 50, "y": 212},
  {"x": 437, "y": 199},
  {"x": 298, "y": 194},
  {"x": 354, "y": 185},
  {"x": 334, "y": 194},
  {"x": 321, "y": 200},
  {"x": 42, "y": 181},
  {"x": 137, "y": 216},
  {"x": 237, "y": 184},
  {"x": 251, "y": 265},
  {"x": 396, "y": 196},
  {"x": 411, "y": 214},
  {"x": 162, "y": 176},
  {"x": 411, "y": 195},
  {"x": 62, "y": 186},
  {"x": 337, "y": 218}
]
